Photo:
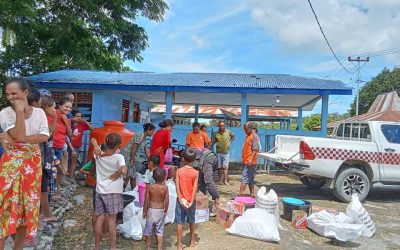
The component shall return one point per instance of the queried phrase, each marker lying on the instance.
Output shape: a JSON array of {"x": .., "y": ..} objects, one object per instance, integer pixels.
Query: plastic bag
[
  {"x": 170, "y": 218},
  {"x": 358, "y": 213},
  {"x": 133, "y": 222},
  {"x": 268, "y": 201},
  {"x": 256, "y": 223},
  {"x": 168, "y": 155},
  {"x": 338, "y": 226}
]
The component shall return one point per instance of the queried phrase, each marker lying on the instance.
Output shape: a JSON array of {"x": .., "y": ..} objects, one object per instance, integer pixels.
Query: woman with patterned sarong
[{"x": 24, "y": 128}]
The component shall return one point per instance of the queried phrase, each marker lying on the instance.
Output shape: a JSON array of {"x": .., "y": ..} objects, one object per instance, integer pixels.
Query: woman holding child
[
  {"x": 20, "y": 173},
  {"x": 136, "y": 152}
]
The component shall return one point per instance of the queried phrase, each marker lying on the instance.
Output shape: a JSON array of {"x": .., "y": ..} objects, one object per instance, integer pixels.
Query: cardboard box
[
  {"x": 225, "y": 218},
  {"x": 315, "y": 209},
  {"x": 201, "y": 201},
  {"x": 202, "y": 215},
  {"x": 235, "y": 207},
  {"x": 299, "y": 219}
]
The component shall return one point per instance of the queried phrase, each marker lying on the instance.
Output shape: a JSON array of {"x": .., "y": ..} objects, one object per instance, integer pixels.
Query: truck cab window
[
  {"x": 355, "y": 132},
  {"x": 339, "y": 131},
  {"x": 365, "y": 132},
  {"x": 346, "y": 133},
  {"x": 391, "y": 133}
]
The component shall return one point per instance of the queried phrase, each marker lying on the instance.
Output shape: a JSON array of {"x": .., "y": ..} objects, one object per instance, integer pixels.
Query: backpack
[{"x": 201, "y": 156}]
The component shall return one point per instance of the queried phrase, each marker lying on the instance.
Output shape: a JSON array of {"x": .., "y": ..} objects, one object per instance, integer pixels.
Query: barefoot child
[
  {"x": 186, "y": 187},
  {"x": 155, "y": 208},
  {"x": 90, "y": 169},
  {"x": 110, "y": 167}
]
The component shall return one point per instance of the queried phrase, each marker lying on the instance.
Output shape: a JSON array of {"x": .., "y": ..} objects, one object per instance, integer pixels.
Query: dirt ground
[{"x": 382, "y": 204}]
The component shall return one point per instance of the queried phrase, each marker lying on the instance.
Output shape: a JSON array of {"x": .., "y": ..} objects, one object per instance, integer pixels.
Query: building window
[
  {"x": 136, "y": 112},
  {"x": 125, "y": 111}
]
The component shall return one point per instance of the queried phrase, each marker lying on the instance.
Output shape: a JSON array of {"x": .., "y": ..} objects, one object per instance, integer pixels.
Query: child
[
  {"x": 154, "y": 163},
  {"x": 186, "y": 187},
  {"x": 90, "y": 169},
  {"x": 80, "y": 126},
  {"x": 155, "y": 208},
  {"x": 109, "y": 170}
]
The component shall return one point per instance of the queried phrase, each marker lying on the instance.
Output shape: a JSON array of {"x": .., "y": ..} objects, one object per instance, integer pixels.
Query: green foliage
[
  {"x": 47, "y": 35},
  {"x": 386, "y": 81}
]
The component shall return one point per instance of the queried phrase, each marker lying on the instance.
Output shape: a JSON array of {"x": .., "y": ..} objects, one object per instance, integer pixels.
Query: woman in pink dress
[{"x": 162, "y": 140}]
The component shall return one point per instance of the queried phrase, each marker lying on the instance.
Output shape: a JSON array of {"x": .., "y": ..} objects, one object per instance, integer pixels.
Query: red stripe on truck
[{"x": 347, "y": 154}]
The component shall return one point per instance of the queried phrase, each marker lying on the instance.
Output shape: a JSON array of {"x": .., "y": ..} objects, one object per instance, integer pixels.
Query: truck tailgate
[{"x": 286, "y": 149}]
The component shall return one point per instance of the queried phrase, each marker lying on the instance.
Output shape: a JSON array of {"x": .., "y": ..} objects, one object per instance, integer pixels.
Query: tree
[
  {"x": 47, "y": 35},
  {"x": 386, "y": 81}
]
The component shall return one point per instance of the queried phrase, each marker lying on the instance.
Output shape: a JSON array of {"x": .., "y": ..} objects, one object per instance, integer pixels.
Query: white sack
[
  {"x": 256, "y": 223},
  {"x": 170, "y": 218},
  {"x": 358, "y": 213},
  {"x": 268, "y": 201},
  {"x": 339, "y": 226},
  {"x": 133, "y": 222}
]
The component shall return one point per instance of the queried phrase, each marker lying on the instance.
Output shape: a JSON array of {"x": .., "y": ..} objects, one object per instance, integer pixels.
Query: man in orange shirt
[
  {"x": 249, "y": 158},
  {"x": 197, "y": 138}
]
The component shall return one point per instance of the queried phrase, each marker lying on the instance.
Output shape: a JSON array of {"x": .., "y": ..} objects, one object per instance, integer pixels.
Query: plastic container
[
  {"x": 249, "y": 202},
  {"x": 90, "y": 181},
  {"x": 142, "y": 192},
  {"x": 100, "y": 134},
  {"x": 167, "y": 168},
  {"x": 290, "y": 204},
  {"x": 127, "y": 199}
]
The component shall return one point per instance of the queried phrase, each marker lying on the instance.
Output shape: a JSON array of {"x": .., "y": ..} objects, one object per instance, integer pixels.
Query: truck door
[{"x": 389, "y": 151}]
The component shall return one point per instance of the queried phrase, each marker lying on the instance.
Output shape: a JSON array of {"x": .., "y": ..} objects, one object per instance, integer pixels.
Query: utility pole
[{"x": 358, "y": 60}]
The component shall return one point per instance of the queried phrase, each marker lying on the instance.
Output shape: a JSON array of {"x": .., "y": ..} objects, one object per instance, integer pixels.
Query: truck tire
[
  {"x": 349, "y": 181},
  {"x": 312, "y": 182}
]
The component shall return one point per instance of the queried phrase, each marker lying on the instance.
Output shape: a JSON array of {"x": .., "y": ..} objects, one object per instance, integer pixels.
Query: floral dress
[{"x": 20, "y": 176}]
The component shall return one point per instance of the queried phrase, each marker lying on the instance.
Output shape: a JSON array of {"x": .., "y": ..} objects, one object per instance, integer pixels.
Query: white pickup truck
[{"x": 358, "y": 155}]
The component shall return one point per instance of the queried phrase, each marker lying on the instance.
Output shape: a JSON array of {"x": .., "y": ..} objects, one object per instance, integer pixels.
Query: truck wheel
[
  {"x": 312, "y": 182},
  {"x": 350, "y": 181}
]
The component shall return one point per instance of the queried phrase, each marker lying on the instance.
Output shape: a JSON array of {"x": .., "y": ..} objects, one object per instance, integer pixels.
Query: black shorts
[{"x": 45, "y": 181}]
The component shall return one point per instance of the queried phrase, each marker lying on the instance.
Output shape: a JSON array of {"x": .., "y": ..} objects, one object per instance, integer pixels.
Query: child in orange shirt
[{"x": 186, "y": 187}]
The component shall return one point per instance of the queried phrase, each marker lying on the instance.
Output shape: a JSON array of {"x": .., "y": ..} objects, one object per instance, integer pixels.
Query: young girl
[
  {"x": 49, "y": 107},
  {"x": 110, "y": 167}
]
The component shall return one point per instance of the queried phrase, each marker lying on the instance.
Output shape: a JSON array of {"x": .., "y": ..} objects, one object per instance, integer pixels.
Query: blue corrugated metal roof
[{"x": 202, "y": 80}]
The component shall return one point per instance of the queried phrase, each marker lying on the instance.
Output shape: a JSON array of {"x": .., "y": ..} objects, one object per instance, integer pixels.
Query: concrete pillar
[
  {"x": 196, "y": 112},
  {"x": 324, "y": 114},
  {"x": 300, "y": 118},
  {"x": 245, "y": 110},
  {"x": 168, "y": 104}
]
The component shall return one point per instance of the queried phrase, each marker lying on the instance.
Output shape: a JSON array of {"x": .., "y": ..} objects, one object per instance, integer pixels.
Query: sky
[{"x": 274, "y": 37}]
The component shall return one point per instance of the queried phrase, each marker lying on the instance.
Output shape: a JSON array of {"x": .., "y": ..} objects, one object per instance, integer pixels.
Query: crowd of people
[{"x": 41, "y": 141}]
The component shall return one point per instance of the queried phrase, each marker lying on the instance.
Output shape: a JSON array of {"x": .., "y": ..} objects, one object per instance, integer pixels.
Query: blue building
[{"x": 128, "y": 97}]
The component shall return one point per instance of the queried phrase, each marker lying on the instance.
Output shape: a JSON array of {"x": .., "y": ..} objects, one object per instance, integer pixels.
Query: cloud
[
  {"x": 199, "y": 42},
  {"x": 351, "y": 26}
]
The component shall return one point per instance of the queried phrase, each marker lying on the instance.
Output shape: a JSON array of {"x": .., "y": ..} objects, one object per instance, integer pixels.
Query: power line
[
  {"x": 326, "y": 39},
  {"x": 381, "y": 52}
]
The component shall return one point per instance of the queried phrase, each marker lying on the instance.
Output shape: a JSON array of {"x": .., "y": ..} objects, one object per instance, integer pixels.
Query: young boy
[
  {"x": 90, "y": 169},
  {"x": 186, "y": 187},
  {"x": 153, "y": 163},
  {"x": 155, "y": 208},
  {"x": 110, "y": 167}
]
